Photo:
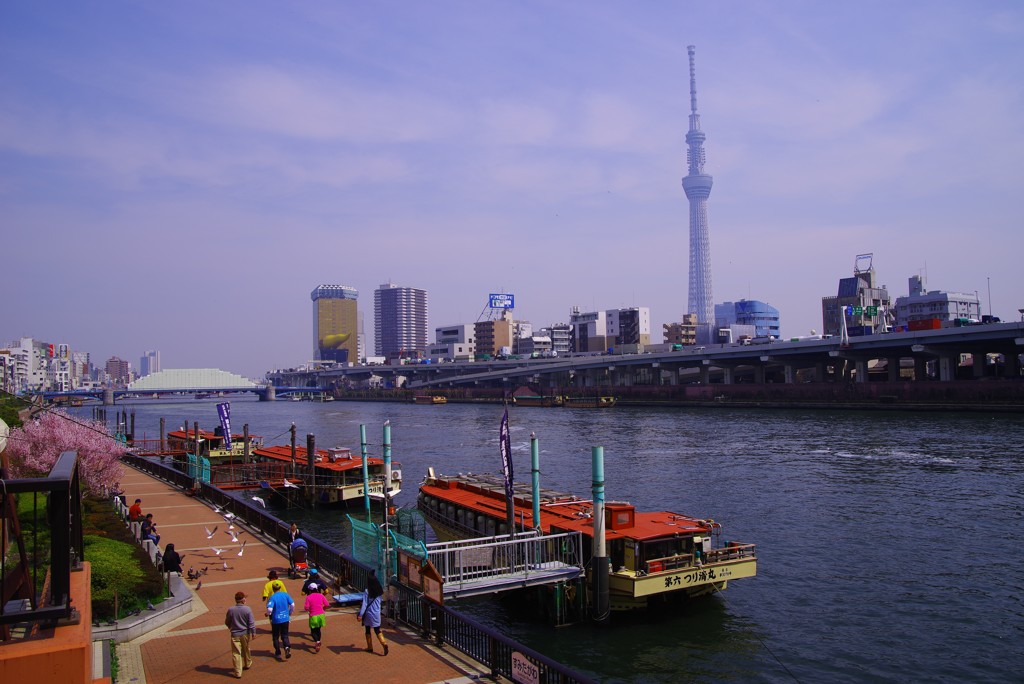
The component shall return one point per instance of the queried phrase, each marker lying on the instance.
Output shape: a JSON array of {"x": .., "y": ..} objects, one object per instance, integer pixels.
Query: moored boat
[
  {"x": 430, "y": 399},
  {"x": 657, "y": 558},
  {"x": 537, "y": 400},
  {"x": 211, "y": 445},
  {"x": 336, "y": 477},
  {"x": 589, "y": 402}
]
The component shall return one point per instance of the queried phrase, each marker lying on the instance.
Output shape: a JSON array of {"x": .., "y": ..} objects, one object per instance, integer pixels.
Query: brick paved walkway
[{"x": 196, "y": 647}]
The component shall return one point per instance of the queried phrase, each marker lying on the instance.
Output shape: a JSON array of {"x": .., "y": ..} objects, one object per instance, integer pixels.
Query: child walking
[{"x": 316, "y": 605}]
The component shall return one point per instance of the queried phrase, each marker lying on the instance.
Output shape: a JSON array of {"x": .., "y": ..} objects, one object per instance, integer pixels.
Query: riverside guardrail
[{"x": 441, "y": 624}]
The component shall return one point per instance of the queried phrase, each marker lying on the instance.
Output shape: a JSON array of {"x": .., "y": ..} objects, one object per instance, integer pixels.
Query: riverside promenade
[{"x": 196, "y": 647}]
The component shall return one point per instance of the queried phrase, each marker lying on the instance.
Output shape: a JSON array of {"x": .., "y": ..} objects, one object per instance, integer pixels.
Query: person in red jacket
[{"x": 135, "y": 511}]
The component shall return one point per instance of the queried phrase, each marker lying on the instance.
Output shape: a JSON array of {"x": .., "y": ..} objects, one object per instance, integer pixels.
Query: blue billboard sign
[{"x": 503, "y": 301}]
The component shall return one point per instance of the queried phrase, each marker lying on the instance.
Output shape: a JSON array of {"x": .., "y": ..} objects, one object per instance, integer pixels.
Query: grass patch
[{"x": 120, "y": 567}]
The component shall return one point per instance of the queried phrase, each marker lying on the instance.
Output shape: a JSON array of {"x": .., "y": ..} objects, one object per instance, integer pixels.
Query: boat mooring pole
[
  {"x": 163, "y": 438},
  {"x": 292, "y": 430},
  {"x": 245, "y": 443},
  {"x": 387, "y": 457},
  {"x": 535, "y": 472},
  {"x": 310, "y": 468},
  {"x": 366, "y": 472},
  {"x": 599, "y": 564}
]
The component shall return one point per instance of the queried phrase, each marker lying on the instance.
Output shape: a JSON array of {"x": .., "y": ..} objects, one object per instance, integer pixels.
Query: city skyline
[{"x": 170, "y": 172}]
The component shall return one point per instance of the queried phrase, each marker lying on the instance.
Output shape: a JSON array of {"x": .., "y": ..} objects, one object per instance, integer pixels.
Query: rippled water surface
[{"x": 890, "y": 545}]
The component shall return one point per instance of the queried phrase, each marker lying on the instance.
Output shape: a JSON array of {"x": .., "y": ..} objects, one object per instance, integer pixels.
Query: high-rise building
[
  {"x": 399, "y": 321},
  {"x": 149, "y": 363},
  {"x": 335, "y": 323},
  {"x": 119, "y": 372},
  {"x": 764, "y": 317},
  {"x": 697, "y": 186}
]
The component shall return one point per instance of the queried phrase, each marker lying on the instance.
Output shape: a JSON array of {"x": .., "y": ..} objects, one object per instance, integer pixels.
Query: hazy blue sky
[{"x": 181, "y": 175}]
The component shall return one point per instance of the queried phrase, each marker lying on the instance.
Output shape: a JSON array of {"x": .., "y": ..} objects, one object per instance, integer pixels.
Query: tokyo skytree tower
[{"x": 697, "y": 186}]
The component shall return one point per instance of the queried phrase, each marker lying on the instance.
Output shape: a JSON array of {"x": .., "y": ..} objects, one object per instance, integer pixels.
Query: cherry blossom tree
[{"x": 33, "y": 449}]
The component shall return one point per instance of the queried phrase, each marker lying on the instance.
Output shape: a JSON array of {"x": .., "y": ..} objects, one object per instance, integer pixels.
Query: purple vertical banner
[
  {"x": 506, "y": 455},
  {"x": 224, "y": 411}
]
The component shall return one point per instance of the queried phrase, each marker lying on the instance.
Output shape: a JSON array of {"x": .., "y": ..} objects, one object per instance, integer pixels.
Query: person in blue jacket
[
  {"x": 369, "y": 612},
  {"x": 279, "y": 607}
]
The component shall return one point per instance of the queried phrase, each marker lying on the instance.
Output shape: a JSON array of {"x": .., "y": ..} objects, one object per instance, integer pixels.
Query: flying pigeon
[
  {"x": 216, "y": 550},
  {"x": 233, "y": 534},
  {"x": 290, "y": 485},
  {"x": 241, "y": 550},
  {"x": 260, "y": 501},
  {"x": 209, "y": 532}
]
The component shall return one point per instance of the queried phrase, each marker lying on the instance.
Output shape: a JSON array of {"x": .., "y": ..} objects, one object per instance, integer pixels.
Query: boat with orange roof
[
  {"x": 336, "y": 476},
  {"x": 657, "y": 558}
]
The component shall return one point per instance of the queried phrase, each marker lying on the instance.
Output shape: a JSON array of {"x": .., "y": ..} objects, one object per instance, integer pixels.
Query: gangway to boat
[{"x": 485, "y": 565}]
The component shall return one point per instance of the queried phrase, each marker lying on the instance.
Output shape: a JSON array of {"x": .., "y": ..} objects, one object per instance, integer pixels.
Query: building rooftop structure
[{"x": 191, "y": 378}]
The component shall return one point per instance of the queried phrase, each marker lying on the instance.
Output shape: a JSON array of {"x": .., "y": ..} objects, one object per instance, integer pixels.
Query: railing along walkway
[{"x": 470, "y": 567}]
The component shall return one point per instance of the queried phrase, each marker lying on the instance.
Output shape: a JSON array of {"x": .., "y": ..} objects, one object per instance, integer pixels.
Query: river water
[{"x": 890, "y": 545}]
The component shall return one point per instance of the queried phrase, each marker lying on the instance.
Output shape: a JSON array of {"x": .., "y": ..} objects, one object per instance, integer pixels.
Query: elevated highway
[{"x": 947, "y": 354}]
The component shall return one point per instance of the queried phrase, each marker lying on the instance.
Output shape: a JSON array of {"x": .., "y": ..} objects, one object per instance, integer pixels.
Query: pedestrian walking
[
  {"x": 316, "y": 605},
  {"x": 268, "y": 588},
  {"x": 242, "y": 623},
  {"x": 279, "y": 607},
  {"x": 369, "y": 612}
]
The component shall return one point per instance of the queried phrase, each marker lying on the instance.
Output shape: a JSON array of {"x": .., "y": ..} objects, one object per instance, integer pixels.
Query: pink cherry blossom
[{"x": 32, "y": 449}]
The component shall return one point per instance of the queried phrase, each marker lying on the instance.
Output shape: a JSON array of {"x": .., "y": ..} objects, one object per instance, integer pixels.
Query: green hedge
[{"x": 116, "y": 569}]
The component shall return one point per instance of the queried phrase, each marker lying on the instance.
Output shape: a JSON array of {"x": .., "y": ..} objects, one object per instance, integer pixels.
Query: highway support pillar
[
  {"x": 978, "y": 364},
  {"x": 1011, "y": 365},
  {"x": 947, "y": 367},
  {"x": 893, "y": 367},
  {"x": 861, "y": 366}
]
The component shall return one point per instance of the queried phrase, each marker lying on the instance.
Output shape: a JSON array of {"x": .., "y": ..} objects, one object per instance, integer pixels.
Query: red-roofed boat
[
  {"x": 656, "y": 557},
  {"x": 337, "y": 474}
]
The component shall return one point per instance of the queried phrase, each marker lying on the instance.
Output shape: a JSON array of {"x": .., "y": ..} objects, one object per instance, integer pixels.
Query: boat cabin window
[
  {"x": 617, "y": 553},
  {"x": 661, "y": 548}
]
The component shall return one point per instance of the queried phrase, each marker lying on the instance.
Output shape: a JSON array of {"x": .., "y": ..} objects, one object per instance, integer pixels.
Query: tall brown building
[{"x": 491, "y": 336}]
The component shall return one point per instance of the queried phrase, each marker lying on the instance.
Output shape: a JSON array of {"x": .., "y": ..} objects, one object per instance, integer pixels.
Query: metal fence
[
  {"x": 444, "y": 626},
  {"x": 528, "y": 558},
  {"x": 24, "y": 568}
]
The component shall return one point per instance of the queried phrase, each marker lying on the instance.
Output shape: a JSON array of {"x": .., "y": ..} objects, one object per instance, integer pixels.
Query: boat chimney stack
[{"x": 600, "y": 563}]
